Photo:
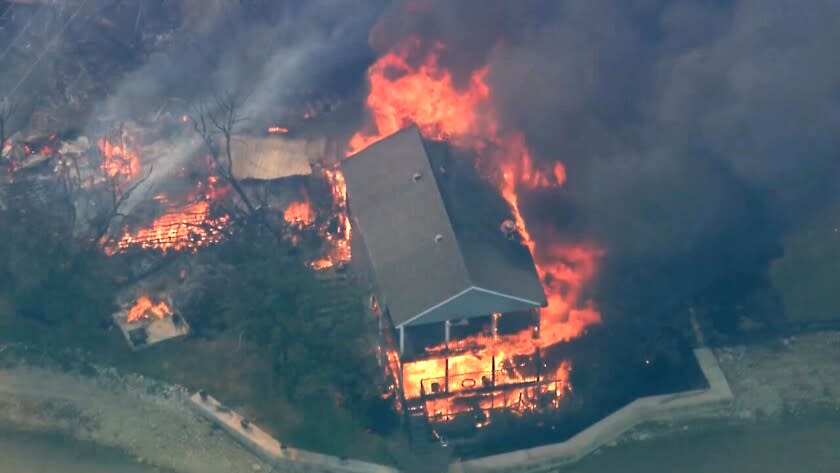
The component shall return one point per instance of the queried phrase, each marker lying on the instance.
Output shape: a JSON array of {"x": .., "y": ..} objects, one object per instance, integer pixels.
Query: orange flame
[
  {"x": 299, "y": 214},
  {"x": 145, "y": 309},
  {"x": 425, "y": 95},
  {"x": 121, "y": 160},
  {"x": 277, "y": 130},
  {"x": 518, "y": 400},
  {"x": 338, "y": 242},
  {"x": 182, "y": 227}
]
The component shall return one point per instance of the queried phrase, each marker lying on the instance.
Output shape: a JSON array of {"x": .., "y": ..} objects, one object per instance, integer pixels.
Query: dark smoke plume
[{"x": 693, "y": 131}]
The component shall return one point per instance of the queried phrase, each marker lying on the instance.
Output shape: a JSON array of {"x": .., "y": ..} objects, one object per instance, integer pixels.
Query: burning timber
[{"x": 149, "y": 320}]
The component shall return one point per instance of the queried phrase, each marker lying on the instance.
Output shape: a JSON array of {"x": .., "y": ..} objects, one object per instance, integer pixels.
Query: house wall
[{"x": 361, "y": 266}]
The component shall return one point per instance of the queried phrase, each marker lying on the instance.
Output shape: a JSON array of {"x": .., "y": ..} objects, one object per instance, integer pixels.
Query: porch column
[
  {"x": 493, "y": 371},
  {"x": 446, "y": 376},
  {"x": 494, "y": 324},
  {"x": 446, "y": 326},
  {"x": 402, "y": 339}
]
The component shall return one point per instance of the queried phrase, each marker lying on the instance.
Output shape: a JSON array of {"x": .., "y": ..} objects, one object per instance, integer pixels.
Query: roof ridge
[{"x": 460, "y": 252}]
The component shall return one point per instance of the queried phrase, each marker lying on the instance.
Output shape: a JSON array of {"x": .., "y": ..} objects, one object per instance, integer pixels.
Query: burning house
[
  {"x": 427, "y": 268},
  {"x": 449, "y": 274}
]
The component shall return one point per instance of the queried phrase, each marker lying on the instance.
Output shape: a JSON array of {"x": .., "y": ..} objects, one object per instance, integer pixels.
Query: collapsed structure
[{"x": 442, "y": 261}]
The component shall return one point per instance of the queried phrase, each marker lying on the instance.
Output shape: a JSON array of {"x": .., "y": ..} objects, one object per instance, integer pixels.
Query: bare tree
[
  {"x": 118, "y": 197},
  {"x": 217, "y": 125},
  {"x": 7, "y": 109},
  {"x": 69, "y": 176}
]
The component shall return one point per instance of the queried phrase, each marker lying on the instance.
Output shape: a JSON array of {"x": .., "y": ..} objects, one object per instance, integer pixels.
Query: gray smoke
[
  {"x": 266, "y": 62},
  {"x": 692, "y": 130}
]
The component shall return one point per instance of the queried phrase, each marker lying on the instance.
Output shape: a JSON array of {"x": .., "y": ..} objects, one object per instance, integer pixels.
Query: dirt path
[{"x": 147, "y": 420}]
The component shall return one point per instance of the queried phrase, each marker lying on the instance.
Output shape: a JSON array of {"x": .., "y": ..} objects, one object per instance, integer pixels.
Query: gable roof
[{"x": 435, "y": 254}]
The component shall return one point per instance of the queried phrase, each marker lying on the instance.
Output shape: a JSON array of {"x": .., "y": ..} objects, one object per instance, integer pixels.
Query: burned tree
[
  {"x": 104, "y": 219},
  {"x": 7, "y": 109},
  {"x": 217, "y": 124}
]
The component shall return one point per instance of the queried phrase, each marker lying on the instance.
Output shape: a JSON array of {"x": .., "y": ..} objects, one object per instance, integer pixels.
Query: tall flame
[
  {"x": 424, "y": 94},
  {"x": 338, "y": 241}
]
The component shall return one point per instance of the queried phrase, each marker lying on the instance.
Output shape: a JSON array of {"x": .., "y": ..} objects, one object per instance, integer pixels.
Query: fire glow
[
  {"x": 424, "y": 95},
  {"x": 120, "y": 161},
  {"x": 299, "y": 214},
  {"x": 338, "y": 238},
  {"x": 146, "y": 309},
  {"x": 186, "y": 227}
]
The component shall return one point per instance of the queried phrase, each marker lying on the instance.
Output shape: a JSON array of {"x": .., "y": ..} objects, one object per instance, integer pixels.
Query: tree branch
[
  {"x": 118, "y": 198},
  {"x": 224, "y": 120},
  {"x": 7, "y": 109}
]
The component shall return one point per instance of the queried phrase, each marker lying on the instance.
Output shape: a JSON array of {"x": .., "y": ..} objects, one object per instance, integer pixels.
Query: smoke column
[
  {"x": 265, "y": 61},
  {"x": 693, "y": 132}
]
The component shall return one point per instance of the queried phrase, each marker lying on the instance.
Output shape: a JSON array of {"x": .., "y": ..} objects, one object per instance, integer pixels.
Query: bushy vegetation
[
  {"x": 49, "y": 280},
  {"x": 290, "y": 348},
  {"x": 312, "y": 331}
]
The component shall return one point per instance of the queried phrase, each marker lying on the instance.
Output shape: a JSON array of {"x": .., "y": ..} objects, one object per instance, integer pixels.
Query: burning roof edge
[{"x": 421, "y": 281}]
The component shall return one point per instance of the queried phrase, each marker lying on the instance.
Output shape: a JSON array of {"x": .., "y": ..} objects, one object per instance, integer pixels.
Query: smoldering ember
[{"x": 416, "y": 233}]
